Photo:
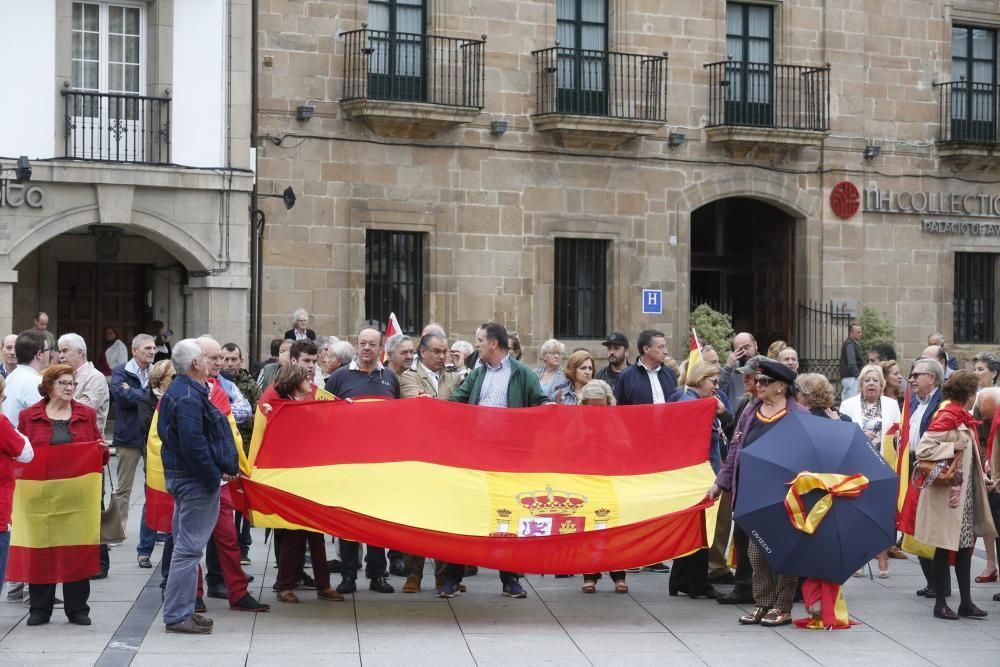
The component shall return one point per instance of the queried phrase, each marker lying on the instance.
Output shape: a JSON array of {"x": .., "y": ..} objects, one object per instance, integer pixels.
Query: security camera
[{"x": 22, "y": 174}]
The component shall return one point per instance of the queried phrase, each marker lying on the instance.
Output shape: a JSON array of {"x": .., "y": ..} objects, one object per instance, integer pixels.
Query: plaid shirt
[{"x": 494, "y": 391}]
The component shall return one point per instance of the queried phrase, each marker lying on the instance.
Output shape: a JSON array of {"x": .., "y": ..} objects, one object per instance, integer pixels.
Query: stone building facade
[
  {"x": 135, "y": 117},
  {"x": 499, "y": 137}
]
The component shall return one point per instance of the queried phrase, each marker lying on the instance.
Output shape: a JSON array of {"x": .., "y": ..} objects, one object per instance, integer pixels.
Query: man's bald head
[{"x": 744, "y": 345}]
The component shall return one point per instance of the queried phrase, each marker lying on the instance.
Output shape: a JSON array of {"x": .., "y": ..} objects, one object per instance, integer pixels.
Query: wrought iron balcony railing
[
  {"x": 117, "y": 127},
  {"x": 410, "y": 67},
  {"x": 601, "y": 83},
  {"x": 789, "y": 97},
  {"x": 969, "y": 112}
]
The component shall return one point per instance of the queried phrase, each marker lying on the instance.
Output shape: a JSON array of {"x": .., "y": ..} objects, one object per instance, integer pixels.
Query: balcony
[
  {"x": 116, "y": 127},
  {"x": 406, "y": 84},
  {"x": 599, "y": 99},
  {"x": 968, "y": 119},
  {"x": 763, "y": 103}
]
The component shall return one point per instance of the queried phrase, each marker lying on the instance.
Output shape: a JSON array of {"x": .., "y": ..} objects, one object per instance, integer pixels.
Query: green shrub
[
  {"x": 876, "y": 328},
  {"x": 714, "y": 328}
]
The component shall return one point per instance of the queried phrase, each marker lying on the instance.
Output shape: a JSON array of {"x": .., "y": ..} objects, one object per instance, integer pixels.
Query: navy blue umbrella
[{"x": 852, "y": 532}]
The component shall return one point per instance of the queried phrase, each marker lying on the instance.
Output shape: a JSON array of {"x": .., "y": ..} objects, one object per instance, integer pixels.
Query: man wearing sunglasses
[{"x": 925, "y": 378}]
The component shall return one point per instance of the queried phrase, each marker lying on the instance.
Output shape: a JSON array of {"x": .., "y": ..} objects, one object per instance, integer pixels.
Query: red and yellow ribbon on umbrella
[{"x": 849, "y": 486}]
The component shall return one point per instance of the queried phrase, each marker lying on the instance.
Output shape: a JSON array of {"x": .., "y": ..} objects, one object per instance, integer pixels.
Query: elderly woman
[
  {"x": 952, "y": 515},
  {"x": 598, "y": 392},
  {"x": 293, "y": 383},
  {"x": 460, "y": 351},
  {"x": 773, "y": 595},
  {"x": 56, "y": 420},
  {"x": 815, "y": 394},
  {"x": 986, "y": 366},
  {"x": 551, "y": 375},
  {"x": 689, "y": 574},
  {"x": 775, "y": 348},
  {"x": 579, "y": 371},
  {"x": 893, "y": 382}
]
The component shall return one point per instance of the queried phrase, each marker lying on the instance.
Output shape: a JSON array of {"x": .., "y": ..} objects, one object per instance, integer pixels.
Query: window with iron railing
[
  {"x": 969, "y": 102},
  {"x": 580, "y": 295},
  {"x": 975, "y": 297},
  {"x": 394, "y": 278}
]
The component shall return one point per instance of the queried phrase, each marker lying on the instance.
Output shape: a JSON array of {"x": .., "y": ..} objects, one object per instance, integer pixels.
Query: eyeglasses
[
  {"x": 174, "y": 376},
  {"x": 46, "y": 349},
  {"x": 714, "y": 381},
  {"x": 914, "y": 376},
  {"x": 66, "y": 383},
  {"x": 763, "y": 380}
]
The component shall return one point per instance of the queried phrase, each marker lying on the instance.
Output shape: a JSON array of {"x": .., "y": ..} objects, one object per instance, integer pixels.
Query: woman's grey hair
[
  {"x": 552, "y": 345},
  {"x": 463, "y": 346},
  {"x": 343, "y": 351},
  {"x": 184, "y": 354},
  {"x": 394, "y": 342},
  {"x": 597, "y": 390},
  {"x": 299, "y": 314},
  {"x": 326, "y": 342},
  {"x": 75, "y": 342},
  {"x": 929, "y": 366}
]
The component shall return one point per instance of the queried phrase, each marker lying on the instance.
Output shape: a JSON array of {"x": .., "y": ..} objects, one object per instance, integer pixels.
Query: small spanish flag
[
  {"x": 694, "y": 353},
  {"x": 56, "y": 520}
]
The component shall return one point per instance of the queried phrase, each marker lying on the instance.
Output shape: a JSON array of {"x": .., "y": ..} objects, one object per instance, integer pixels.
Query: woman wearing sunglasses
[{"x": 773, "y": 595}]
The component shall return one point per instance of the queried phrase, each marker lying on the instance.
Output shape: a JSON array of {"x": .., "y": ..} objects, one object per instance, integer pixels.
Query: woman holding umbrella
[
  {"x": 951, "y": 516},
  {"x": 773, "y": 595}
]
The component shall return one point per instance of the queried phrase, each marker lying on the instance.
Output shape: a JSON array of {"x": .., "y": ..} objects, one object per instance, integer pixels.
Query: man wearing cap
[{"x": 617, "y": 344}]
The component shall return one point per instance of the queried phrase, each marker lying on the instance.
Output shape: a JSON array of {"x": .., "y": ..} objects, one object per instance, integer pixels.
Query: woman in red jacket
[{"x": 58, "y": 420}]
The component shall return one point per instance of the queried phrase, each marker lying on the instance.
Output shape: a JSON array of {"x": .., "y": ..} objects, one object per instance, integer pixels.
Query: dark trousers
[
  {"x": 942, "y": 575},
  {"x": 375, "y": 561},
  {"x": 293, "y": 550},
  {"x": 243, "y": 533},
  {"x": 690, "y": 574},
  {"x": 75, "y": 595},
  {"x": 744, "y": 571},
  {"x": 927, "y": 567},
  {"x": 616, "y": 576},
  {"x": 453, "y": 573},
  {"x": 277, "y": 539},
  {"x": 105, "y": 558}
]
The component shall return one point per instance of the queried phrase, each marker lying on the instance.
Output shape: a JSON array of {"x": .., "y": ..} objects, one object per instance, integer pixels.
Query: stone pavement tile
[
  {"x": 429, "y": 658},
  {"x": 849, "y": 647},
  {"x": 627, "y": 642},
  {"x": 700, "y": 617},
  {"x": 188, "y": 659},
  {"x": 119, "y": 586},
  {"x": 400, "y": 640},
  {"x": 505, "y": 649},
  {"x": 300, "y": 641},
  {"x": 35, "y": 658},
  {"x": 950, "y": 654},
  {"x": 231, "y": 633},
  {"x": 765, "y": 648},
  {"x": 325, "y": 660},
  {"x": 626, "y": 657},
  {"x": 60, "y": 636},
  {"x": 303, "y": 618}
]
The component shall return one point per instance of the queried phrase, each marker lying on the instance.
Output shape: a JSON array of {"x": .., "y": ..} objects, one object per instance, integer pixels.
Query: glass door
[
  {"x": 396, "y": 68},
  {"x": 973, "y": 97},
  {"x": 750, "y": 70},
  {"x": 582, "y": 69}
]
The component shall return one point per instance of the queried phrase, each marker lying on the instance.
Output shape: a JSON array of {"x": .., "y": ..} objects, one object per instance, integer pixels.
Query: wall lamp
[
  {"x": 288, "y": 196},
  {"x": 872, "y": 151},
  {"x": 675, "y": 139},
  {"x": 22, "y": 170}
]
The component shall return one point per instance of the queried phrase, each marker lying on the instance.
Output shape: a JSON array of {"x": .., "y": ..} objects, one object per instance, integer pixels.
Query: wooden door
[
  {"x": 773, "y": 284},
  {"x": 92, "y": 297}
]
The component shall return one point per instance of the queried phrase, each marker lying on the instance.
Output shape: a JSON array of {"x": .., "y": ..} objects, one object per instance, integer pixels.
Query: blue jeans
[
  {"x": 196, "y": 511},
  {"x": 147, "y": 536},
  {"x": 4, "y": 547},
  {"x": 849, "y": 388}
]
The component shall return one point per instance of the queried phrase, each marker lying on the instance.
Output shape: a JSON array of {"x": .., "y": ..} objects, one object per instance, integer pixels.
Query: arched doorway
[{"x": 742, "y": 263}]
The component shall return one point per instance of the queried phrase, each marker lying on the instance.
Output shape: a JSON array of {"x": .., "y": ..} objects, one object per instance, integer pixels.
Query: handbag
[
  {"x": 937, "y": 473},
  {"x": 112, "y": 531}
]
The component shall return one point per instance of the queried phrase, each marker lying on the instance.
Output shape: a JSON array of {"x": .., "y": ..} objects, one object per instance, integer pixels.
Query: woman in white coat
[{"x": 875, "y": 414}]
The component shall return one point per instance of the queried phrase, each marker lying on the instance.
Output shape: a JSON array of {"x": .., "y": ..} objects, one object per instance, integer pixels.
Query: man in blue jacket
[
  {"x": 646, "y": 382},
  {"x": 129, "y": 384},
  {"x": 198, "y": 454}
]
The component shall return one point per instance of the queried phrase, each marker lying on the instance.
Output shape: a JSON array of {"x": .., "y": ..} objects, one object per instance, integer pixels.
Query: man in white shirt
[
  {"x": 91, "y": 385},
  {"x": 33, "y": 356}
]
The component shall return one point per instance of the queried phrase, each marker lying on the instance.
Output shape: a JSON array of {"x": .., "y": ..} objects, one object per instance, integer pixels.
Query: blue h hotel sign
[{"x": 652, "y": 302}]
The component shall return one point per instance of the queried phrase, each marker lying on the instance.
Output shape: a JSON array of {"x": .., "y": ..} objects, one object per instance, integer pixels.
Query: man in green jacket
[{"x": 500, "y": 381}]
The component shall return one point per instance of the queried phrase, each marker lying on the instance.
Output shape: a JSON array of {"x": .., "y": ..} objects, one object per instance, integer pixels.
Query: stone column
[
  {"x": 219, "y": 306},
  {"x": 8, "y": 278}
]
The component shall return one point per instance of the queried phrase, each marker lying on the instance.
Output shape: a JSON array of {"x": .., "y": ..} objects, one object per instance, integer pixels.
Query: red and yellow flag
[
  {"x": 56, "y": 521},
  {"x": 556, "y": 489},
  {"x": 694, "y": 352}
]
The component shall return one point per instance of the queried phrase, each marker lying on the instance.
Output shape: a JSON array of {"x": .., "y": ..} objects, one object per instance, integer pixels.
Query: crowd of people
[{"x": 194, "y": 404}]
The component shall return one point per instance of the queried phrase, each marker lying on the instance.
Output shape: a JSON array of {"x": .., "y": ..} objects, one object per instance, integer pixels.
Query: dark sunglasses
[{"x": 763, "y": 380}]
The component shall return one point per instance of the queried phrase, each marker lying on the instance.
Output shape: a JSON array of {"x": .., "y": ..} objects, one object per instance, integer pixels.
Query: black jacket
[
  {"x": 851, "y": 359},
  {"x": 633, "y": 388},
  {"x": 290, "y": 334}
]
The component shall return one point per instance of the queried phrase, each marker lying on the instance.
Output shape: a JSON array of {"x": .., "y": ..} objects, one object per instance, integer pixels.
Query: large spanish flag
[
  {"x": 159, "y": 502},
  {"x": 555, "y": 489},
  {"x": 56, "y": 520}
]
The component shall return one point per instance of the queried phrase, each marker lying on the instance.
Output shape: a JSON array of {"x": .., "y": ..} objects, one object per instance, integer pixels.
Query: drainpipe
[{"x": 256, "y": 215}]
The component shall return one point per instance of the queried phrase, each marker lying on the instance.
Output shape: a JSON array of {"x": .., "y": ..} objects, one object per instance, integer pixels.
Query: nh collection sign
[
  {"x": 15, "y": 195},
  {"x": 921, "y": 202}
]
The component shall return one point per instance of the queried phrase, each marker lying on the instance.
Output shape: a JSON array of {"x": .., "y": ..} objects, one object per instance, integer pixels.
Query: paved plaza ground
[{"x": 555, "y": 625}]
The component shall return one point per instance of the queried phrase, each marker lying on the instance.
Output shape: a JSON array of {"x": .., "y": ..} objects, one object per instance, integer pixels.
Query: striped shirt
[{"x": 494, "y": 390}]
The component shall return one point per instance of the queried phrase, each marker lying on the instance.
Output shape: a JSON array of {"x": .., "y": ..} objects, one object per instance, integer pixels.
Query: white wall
[
  {"x": 27, "y": 74},
  {"x": 197, "y": 114}
]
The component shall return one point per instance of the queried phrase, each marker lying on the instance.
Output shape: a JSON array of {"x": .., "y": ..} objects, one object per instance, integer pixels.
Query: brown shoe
[
  {"x": 775, "y": 618},
  {"x": 896, "y": 552},
  {"x": 287, "y": 596},
  {"x": 412, "y": 585},
  {"x": 329, "y": 594}
]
